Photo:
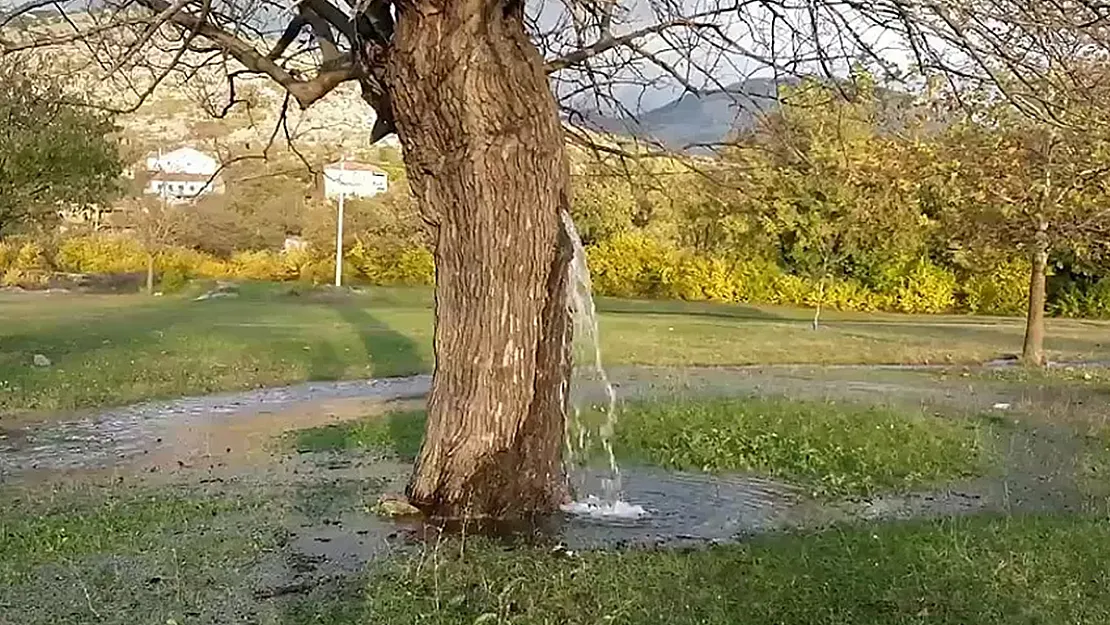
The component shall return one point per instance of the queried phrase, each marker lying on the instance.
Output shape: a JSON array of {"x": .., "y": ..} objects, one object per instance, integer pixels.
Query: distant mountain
[
  {"x": 711, "y": 117},
  {"x": 696, "y": 118}
]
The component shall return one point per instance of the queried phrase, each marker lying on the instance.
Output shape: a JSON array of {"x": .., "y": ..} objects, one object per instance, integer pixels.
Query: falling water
[{"x": 591, "y": 422}]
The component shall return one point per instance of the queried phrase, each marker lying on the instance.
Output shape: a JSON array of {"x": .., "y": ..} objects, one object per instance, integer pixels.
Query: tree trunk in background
[
  {"x": 150, "y": 274},
  {"x": 820, "y": 301},
  {"x": 1033, "y": 351},
  {"x": 486, "y": 158}
]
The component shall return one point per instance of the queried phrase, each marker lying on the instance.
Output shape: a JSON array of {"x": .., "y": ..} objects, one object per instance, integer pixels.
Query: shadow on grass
[
  {"x": 398, "y": 434},
  {"x": 390, "y": 352},
  {"x": 135, "y": 348}
]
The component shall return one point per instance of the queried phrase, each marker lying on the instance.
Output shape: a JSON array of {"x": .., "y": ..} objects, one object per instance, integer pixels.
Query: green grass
[
  {"x": 397, "y": 434},
  {"x": 127, "y": 555},
  {"x": 981, "y": 571},
  {"x": 835, "y": 449},
  {"x": 66, "y": 528},
  {"x": 110, "y": 350}
]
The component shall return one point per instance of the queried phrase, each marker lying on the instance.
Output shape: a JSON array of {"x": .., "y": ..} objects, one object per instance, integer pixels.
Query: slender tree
[
  {"x": 156, "y": 224},
  {"x": 830, "y": 179},
  {"x": 1029, "y": 189}
]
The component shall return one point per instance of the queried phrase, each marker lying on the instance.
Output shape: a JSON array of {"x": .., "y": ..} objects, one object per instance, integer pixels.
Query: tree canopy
[{"x": 53, "y": 154}]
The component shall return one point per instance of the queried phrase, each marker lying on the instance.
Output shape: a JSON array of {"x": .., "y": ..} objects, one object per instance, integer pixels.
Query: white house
[
  {"x": 354, "y": 179},
  {"x": 182, "y": 175}
]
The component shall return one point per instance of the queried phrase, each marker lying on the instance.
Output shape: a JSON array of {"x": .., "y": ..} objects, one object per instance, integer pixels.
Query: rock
[
  {"x": 222, "y": 290},
  {"x": 41, "y": 360},
  {"x": 394, "y": 506},
  {"x": 217, "y": 295}
]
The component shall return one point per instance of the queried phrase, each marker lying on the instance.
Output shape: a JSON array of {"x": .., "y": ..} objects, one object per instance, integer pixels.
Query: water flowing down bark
[{"x": 485, "y": 149}]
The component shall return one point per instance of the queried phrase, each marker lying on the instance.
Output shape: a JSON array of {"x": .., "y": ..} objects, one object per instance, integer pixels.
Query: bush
[
  {"x": 29, "y": 267},
  {"x": 1092, "y": 302},
  {"x": 100, "y": 253},
  {"x": 172, "y": 280},
  {"x": 260, "y": 265},
  {"x": 8, "y": 253},
  {"x": 633, "y": 265},
  {"x": 842, "y": 294},
  {"x": 412, "y": 266},
  {"x": 306, "y": 266},
  {"x": 31, "y": 256},
  {"x": 191, "y": 263},
  {"x": 926, "y": 288},
  {"x": 1004, "y": 290}
]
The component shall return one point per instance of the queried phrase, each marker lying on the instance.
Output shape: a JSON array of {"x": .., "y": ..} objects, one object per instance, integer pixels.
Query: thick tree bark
[
  {"x": 1033, "y": 351},
  {"x": 485, "y": 153}
]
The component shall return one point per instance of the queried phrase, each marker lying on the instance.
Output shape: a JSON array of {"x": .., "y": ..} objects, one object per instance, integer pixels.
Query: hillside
[{"x": 697, "y": 118}]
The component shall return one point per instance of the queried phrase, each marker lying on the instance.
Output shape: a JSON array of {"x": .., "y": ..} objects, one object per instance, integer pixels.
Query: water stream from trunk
[{"x": 592, "y": 425}]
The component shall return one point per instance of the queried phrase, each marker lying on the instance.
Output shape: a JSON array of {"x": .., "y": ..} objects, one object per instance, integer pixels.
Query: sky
[{"x": 644, "y": 85}]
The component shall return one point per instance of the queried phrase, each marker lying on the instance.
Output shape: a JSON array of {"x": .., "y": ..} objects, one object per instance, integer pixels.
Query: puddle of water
[{"x": 118, "y": 436}]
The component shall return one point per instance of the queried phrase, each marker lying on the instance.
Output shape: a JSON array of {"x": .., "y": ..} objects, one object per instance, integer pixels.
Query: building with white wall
[
  {"x": 354, "y": 179},
  {"x": 182, "y": 175}
]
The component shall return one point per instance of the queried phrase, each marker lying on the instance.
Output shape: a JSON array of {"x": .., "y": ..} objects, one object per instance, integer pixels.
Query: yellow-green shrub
[
  {"x": 172, "y": 280},
  {"x": 306, "y": 265},
  {"x": 687, "y": 278},
  {"x": 789, "y": 289},
  {"x": 24, "y": 278},
  {"x": 30, "y": 267},
  {"x": 191, "y": 263},
  {"x": 754, "y": 281},
  {"x": 1004, "y": 290},
  {"x": 31, "y": 257},
  {"x": 411, "y": 266},
  {"x": 841, "y": 294},
  {"x": 925, "y": 288},
  {"x": 632, "y": 265},
  {"x": 101, "y": 253},
  {"x": 8, "y": 252},
  {"x": 260, "y": 265}
]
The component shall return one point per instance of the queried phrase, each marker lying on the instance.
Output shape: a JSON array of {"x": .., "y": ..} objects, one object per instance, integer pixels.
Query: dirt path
[{"x": 235, "y": 428}]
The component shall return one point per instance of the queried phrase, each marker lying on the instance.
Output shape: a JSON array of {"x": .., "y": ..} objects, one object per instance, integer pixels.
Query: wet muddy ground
[{"x": 315, "y": 523}]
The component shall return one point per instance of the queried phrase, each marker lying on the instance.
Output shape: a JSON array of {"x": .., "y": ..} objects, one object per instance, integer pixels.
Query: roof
[
  {"x": 181, "y": 149},
  {"x": 179, "y": 177},
  {"x": 354, "y": 166}
]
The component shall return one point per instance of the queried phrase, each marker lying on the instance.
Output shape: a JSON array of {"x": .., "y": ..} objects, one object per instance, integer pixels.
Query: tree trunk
[
  {"x": 820, "y": 301},
  {"x": 486, "y": 158},
  {"x": 150, "y": 274},
  {"x": 1033, "y": 351}
]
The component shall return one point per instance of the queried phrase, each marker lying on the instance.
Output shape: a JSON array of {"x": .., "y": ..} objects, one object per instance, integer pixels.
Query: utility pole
[{"x": 339, "y": 224}]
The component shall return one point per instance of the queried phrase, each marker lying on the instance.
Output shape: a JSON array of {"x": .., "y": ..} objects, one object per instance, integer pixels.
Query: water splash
[
  {"x": 594, "y": 507},
  {"x": 591, "y": 422}
]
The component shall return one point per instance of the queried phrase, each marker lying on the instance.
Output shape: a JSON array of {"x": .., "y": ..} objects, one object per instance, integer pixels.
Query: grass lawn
[
  {"x": 183, "y": 552},
  {"x": 981, "y": 571},
  {"x": 833, "y": 448},
  {"x": 108, "y": 350},
  {"x": 133, "y": 556}
]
